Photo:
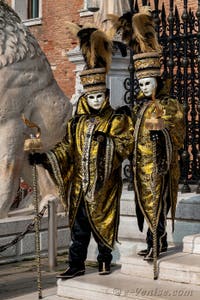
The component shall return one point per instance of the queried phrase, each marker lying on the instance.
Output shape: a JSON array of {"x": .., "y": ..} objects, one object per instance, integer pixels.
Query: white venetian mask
[
  {"x": 148, "y": 85},
  {"x": 95, "y": 100}
]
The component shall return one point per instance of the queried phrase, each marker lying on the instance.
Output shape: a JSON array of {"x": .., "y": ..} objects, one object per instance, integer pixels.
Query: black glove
[
  {"x": 36, "y": 158},
  {"x": 99, "y": 136},
  {"x": 125, "y": 110},
  {"x": 156, "y": 135}
]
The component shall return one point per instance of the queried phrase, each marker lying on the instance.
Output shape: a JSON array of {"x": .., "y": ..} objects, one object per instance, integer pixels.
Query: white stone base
[
  {"x": 177, "y": 267},
  {"x": 125, "y": 248},
  {"x": 181, "y": 267},
  {"x": 191, "y": 244},
  {"x": 120, "y": 286}
]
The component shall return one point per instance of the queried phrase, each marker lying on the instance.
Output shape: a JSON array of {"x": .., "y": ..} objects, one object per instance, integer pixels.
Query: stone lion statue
[{"x": 27, "y": 87}]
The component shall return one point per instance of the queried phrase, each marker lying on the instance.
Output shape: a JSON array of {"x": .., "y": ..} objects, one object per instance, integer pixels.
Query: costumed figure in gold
[
  {"x": 159, "y": 134},
  {"x": 86, "y": 165},
  {"x": 159, "y": 131}
]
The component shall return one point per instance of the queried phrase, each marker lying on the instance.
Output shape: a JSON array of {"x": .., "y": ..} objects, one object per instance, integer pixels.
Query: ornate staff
[
  {"x": 32, "y": 144},
  {"x": 155, "y": 122}
]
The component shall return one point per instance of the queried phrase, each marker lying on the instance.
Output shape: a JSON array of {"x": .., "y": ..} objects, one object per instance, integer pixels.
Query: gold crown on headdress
[
  {"x": 93, "y": 79},
  {"x": 147, "y": 64}
]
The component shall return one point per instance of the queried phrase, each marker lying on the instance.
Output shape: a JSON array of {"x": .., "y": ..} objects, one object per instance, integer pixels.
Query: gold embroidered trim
[
  {"x": 85, "y": 156},
  {"x": 108, "y": 158}
]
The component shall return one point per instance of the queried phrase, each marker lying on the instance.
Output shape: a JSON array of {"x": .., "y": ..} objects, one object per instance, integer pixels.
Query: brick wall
[{"x": 55, "y": 40}]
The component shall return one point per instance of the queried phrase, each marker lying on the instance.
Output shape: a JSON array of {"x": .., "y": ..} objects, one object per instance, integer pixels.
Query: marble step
[
  {"x": 173, "y": 266},
  {"x": 191, "y": 244},
  {"x": 126, "y": 247},
  {"x": 122, "y": 286},
  {"x": 128, "y": 229},
  {"x": 131, "y": 239},
  {"x": 185, "y": 235},
  {"x": 187, "y": 208}
]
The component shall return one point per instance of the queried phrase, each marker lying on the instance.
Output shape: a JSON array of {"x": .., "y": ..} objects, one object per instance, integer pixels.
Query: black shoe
[
  {"x": 71, "y": 272},
  {"x": 145, "y": 252},
  {"x": 104, "y": 268},
  {"x": 149, "y": 256}
]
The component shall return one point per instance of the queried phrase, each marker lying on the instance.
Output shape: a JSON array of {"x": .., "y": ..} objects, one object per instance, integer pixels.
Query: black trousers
[{"x": 80, "y": 235}]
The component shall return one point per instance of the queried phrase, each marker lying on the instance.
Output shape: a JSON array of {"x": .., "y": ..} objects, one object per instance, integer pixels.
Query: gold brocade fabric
[
  {"x": 166, "y": 185},
  {"x": 91, "y": 169}
]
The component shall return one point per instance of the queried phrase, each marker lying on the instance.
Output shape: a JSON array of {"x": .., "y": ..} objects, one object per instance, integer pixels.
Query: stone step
[
  {"x": 191, "y": 244},
  {"x": 128, "y": 229},
  {"x": 188, "y": 207},
  {"x": 126, "y": 247},
  {"x": 123, "y": 286},
  {"x": 173, "y": 266},
  {"x": 185, "y": 235}
]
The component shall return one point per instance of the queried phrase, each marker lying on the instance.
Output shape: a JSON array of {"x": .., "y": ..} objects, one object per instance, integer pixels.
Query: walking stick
[
  {"x": 32, "y": 144},
  {"x": 37, "y": 231},
  {"x": 155, "y": 245}
]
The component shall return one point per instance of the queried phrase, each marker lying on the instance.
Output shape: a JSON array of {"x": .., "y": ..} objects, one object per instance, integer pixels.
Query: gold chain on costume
[{"x": 37, "y": 230}]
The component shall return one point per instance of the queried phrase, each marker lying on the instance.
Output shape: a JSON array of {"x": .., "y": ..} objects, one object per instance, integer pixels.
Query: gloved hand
[
  {"x": 99, "y": 136},
  {"x": 36, "y": 158},
  {"x": 156, "y": 135},
  {"x": 123, "y": 110}
]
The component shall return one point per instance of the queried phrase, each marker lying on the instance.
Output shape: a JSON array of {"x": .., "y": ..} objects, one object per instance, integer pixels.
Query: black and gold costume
[
  {"x": 166, "y": 162},
  {"x": 87, "y": 164}
]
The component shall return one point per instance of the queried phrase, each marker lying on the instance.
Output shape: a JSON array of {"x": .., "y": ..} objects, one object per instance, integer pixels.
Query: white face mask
[
  {"x": 148, "y": 85},
  {"x": 95, "y": 100}
]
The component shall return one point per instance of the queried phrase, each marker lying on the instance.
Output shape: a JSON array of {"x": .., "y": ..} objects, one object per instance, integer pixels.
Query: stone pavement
[{"x": 20, "y": 279}]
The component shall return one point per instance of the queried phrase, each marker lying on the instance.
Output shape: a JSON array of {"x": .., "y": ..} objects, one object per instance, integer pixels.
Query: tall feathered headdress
[
  {"x": 96, "y": 48},
  {"x": 123, "y": 25},
  {"x": 144, "y": 33},
  {"x": 147, "y": 49},
  {"x": 138, "y": 30}
]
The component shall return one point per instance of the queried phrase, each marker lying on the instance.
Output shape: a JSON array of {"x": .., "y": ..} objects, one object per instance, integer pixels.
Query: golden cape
[{"x": 91, "y": 170}]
